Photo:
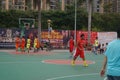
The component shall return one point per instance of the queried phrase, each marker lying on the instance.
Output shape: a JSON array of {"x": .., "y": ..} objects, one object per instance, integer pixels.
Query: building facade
[
  {"x": 96, "y": 6},
  {"x": 13, "y": 4},
  {"x": 33, "y": 4},
  {"x": 101, "y": 6}
]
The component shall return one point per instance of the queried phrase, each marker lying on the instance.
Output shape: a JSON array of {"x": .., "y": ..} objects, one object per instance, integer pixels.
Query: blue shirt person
[{"x": 112, "y": 61}]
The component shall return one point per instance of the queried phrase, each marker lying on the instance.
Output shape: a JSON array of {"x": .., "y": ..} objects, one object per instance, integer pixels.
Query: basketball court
[{"x": 53, "y": 65}]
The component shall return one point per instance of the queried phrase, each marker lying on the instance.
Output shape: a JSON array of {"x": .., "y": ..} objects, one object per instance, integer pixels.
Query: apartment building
[
  {"x": 13, "y": 4},
  {"x": 96, "y": 6},
  {"x": 106, "y": 6},
  {"x": 33, "y": 4},
  {"x": 22, "y": 4},
  {"x": 116, "y": 6},
  {"x": 99, "y": 6}
]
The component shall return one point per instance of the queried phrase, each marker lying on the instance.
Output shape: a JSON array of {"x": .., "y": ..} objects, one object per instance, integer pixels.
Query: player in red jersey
[
  {"x": 71, "y": 45},
  {"x": 80, "y": 50}
]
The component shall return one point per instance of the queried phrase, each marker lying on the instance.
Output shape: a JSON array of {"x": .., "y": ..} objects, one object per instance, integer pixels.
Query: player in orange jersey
[
  {"x": 17, "y": 43},
  {"x": 23, "y": 44}
]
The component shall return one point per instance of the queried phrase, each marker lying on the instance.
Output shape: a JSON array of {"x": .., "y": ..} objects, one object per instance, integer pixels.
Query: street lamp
[{"x": 49, "y": 28}]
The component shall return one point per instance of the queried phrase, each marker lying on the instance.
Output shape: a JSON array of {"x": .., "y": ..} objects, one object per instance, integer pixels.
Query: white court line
[
  {"x": 55, "y": 78},
  {"x": 105, "y": 78},
  {"x": 60, "y": 64},
  {"x": 20, "y": 62}
]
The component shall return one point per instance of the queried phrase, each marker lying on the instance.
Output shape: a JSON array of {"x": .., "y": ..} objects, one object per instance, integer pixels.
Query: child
[
  {"x": 23, "y": 44},
  {"x": 28, "y": 44},
  {"x": 17, "y": 43},
  {"x": 35, "y": 44}
]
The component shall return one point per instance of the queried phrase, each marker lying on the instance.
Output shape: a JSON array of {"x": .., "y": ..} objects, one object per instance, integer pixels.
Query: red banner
[{"x": 93, "y": 35}]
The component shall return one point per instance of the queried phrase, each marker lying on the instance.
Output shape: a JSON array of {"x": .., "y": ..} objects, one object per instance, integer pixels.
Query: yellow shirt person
[{"x": 28, "y": 44}]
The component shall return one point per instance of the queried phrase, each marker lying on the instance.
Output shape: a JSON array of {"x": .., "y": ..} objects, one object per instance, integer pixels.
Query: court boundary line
[
  {"x": 12, "y": 62},
  {"x": 62, "y": 77},
  {"x": 43, "y": 61}
]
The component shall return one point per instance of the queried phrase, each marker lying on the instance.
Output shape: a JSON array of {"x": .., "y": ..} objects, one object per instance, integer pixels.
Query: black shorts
[{"x": 113, "y": 77}]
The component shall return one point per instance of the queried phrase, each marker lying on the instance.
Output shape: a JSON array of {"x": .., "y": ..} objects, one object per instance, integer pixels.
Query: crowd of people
[{"x": 98, "y": 48}]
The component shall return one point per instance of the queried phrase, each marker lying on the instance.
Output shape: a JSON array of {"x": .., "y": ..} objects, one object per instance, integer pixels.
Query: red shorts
[
  {"x": 17, "y": 46},
  {"x": 79, "y": 53},
  {"x": 71, "y": 49},
  {"x": 22, "y": 46}
]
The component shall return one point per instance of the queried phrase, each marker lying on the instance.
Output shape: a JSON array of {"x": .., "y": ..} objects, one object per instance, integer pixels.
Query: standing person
[
  {"x": 71, "y": 45},
  {"x": 23, "y": 44},
  {"x": 96, "y": 44},
  {"x": 31, "y": 40},
  {"x": 80, "y": 51},
  {"x": 41, "y": 45},
  {"x": 35, "y": 44},
  {"x": 102, "y": 47},
  {"x": 28, "y": 44},
  {"x": 17, "y": 43},
  {"x": 38, "y": 44},
  {"x": 112, "y": 60},
  {"x": 105, "y": 46}
]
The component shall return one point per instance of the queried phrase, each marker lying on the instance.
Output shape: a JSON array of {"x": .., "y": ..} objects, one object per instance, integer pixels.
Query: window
[
  {"x": 97, "y": 10},
  {"x": 98, "y": 2}
]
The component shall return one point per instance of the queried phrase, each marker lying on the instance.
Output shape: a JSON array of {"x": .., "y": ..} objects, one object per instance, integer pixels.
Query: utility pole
[
  {"x": 75, "y": 21},
  {"x": 39, "y": 20},
  {"x": 89, "y": 20}
]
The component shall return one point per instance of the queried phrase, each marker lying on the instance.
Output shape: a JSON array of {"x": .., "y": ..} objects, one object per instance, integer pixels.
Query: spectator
[
  {"x": 96, "y": 44},
  {"x": 102, "y": 47}
]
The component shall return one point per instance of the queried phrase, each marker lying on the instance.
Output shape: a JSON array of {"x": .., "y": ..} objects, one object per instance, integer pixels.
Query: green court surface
[{"x": 34, "y": 67}]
